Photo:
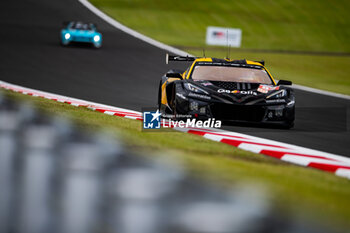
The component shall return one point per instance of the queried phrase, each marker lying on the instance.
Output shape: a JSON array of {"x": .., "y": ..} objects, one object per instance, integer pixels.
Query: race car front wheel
[
  {"x": 287, "y": 125},
  {"x": 64, "y": 43},
  {"x": 173, "y": 101},
  {"x": 97, "y": 46}
]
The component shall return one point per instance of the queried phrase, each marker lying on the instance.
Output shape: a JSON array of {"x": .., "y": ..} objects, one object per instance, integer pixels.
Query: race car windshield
[
  {"x": 231, "y": 74},
  {"x": 81, "y": 26}
]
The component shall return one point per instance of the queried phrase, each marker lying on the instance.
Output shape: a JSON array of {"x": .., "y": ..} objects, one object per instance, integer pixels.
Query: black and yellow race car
[{"x": 228, "y": 90}]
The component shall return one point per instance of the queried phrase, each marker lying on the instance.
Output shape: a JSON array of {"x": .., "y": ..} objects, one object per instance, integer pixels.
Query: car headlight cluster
[
  {"x": 67, "y": 36},
  {"x": 277, "y": 94},
  {"x": 194, "y": 88},
  {"x": 97, "y": 38},
  {"x": 193, "y": 106}
]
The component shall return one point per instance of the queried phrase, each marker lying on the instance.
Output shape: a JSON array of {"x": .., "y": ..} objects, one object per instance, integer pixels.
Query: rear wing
[
  {"x": 177, "y": 58},
  {"x": 262, "y": 62}
]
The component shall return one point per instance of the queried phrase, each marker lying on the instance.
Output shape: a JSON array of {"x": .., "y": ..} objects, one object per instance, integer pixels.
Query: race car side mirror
[
  {"x": 174, "y": 75},
  {"x": 284, "y": 82},
  {"x": 93, "y": 25}
]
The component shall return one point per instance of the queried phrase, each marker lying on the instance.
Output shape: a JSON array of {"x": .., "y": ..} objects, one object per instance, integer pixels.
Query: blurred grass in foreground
[
  {"x": 298, "y": 25},
  {"x": 306, "y": 192}
]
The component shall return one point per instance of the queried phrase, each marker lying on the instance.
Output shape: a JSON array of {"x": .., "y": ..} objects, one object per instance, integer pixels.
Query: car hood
[
  {"x": 84, "y": 33},
  {"x": 231, "y": 92}
]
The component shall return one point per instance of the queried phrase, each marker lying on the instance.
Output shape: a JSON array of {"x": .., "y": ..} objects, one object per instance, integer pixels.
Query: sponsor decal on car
[
  {"x": 191, "y": 94},
  {"x": 237, "y": 92},
  {"x": 207, "y": 84},
  {"x": 266, "y": 88},
  {"x": 275, "y": 101}
]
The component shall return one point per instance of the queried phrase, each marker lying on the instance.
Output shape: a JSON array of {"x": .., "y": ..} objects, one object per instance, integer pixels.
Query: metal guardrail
[{"x": 55, "y": 178}]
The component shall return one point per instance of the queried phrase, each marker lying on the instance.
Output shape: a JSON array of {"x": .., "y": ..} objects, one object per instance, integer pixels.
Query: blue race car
[{"x": 82, "y": 33}]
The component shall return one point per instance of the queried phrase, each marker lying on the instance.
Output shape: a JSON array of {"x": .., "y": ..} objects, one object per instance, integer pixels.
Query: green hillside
[
  {"x": 283, "y": 25},
  {"x": 313, "y": 25}
]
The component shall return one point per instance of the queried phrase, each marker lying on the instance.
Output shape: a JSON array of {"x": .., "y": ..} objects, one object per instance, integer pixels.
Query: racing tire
[
  {"x": 96, "y": 46},
  {"x": 288, "y": 125},
  {"x": 64, "y": 43}
]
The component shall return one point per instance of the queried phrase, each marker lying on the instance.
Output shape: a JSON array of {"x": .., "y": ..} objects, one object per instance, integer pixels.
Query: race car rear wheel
[{"x": 288, "y": 125}]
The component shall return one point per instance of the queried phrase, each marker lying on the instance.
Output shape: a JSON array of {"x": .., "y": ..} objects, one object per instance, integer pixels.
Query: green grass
[
  {"x": 314, "y": 25},
  {"x": 306, "y": 192},
  {"x": 296, "y": 25}
]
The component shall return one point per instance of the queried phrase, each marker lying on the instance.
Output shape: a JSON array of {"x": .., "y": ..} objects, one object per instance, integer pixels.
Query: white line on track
[
  {"x": 131, "y": 32},
  {"x": 321, "y": 92}
]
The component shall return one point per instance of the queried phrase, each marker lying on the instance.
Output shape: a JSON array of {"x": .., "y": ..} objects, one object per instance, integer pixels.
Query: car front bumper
[{"x": 259, "y": 113}]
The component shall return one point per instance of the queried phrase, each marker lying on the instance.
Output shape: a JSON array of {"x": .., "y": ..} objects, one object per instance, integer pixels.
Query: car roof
[
  {"x": 76, "y": 22},
  {"x": 229, "y": 61},
  {"x": 81, "y": 23},
  {"x": 242, "y": 63}
]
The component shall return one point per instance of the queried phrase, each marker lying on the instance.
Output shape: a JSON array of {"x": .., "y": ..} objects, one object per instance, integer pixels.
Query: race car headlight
[
  {"x": 194, "y": 88},
  {"x": 193, "y": 106},
  {"x": 277, "y": 94},
  {"x": 291, "y": 103},
  {"x": 67, "y": 36},
  {"x": 97, "y": 38}
]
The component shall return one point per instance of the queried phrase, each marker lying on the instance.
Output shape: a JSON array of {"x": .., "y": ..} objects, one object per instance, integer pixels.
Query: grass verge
[
  {"x": 286, "y": 25},
  {"x": 270, "y": 25},
  {"x": 306, "y": 192}
]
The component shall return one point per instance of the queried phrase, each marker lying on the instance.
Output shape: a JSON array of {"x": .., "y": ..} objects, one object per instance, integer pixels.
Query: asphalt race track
[{"x": 125, "y": 72}]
